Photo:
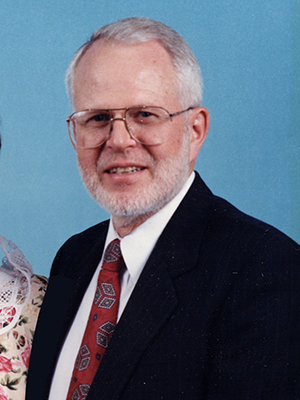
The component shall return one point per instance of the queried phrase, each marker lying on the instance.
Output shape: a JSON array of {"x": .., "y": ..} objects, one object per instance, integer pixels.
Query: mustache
[{"x": 107, "y": 159}]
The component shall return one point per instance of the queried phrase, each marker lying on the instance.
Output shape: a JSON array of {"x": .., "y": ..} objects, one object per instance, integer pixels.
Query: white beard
[{"x": 170, "y": 176}]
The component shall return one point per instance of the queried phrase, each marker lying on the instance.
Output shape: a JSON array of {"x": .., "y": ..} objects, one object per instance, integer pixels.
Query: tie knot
[{"x": 113, "y": 259}]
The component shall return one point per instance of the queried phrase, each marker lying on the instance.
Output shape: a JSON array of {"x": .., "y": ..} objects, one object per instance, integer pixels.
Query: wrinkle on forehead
[{"x": 106, "y": 68}]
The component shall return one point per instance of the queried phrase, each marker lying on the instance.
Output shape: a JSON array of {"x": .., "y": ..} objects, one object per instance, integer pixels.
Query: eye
[
  {"x": 143, "y": 116},
  {"x": 99, "y": 117}
]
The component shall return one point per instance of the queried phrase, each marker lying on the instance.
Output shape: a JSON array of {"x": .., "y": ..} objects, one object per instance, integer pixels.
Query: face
[{"x": 130, "y": 180}]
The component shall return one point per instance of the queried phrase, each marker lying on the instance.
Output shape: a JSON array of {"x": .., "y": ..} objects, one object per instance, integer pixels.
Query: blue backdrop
[{"x": 249, "y": 54}]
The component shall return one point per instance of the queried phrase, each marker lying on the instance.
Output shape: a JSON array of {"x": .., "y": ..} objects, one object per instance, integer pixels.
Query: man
[{"x": 209, "y": 297}]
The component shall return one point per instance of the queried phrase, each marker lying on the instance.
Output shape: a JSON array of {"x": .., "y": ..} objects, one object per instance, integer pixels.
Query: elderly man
[{"x": 192, "y": 299}]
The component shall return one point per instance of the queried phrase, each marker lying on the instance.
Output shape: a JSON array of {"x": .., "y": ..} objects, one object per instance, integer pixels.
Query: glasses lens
[
  {"x": 89, "y": 129},
  {"x": 146, "y": 124}
]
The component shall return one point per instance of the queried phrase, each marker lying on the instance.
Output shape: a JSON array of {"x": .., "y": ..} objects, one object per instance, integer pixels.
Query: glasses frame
[{"x": 109, "y": 110}]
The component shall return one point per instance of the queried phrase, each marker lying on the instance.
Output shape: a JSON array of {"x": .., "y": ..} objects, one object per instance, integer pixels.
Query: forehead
[{"x": 124, "y": 73}]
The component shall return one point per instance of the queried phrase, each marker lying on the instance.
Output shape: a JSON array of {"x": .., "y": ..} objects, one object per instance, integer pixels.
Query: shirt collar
[{"x": 138, "y": 245}]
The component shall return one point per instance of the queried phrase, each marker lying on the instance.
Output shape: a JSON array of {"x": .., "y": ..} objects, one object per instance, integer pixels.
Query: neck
[{"x": 125, "y": 225}]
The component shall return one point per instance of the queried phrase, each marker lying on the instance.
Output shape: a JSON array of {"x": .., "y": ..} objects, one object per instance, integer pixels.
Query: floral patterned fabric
[{"x": 15, "y": 345}]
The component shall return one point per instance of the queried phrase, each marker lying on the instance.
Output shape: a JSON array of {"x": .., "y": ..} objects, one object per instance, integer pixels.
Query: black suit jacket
[{"x": 214, "y": 315}]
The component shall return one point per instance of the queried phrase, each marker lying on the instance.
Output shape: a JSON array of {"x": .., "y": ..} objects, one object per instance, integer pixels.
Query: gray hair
[{"x": 131, "y": 31}]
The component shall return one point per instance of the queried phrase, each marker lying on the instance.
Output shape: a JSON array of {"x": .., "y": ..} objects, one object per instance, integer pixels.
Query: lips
[{"x": 124, "y": 170}]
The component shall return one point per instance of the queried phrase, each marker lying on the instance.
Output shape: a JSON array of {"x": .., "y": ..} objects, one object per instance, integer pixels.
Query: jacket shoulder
[{"x": 230, "y": 218}]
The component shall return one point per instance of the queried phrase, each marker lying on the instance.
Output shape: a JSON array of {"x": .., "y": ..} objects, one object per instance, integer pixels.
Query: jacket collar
[
  {"x": 154, "y": 297},
  {"x": 179, "y": 243}
]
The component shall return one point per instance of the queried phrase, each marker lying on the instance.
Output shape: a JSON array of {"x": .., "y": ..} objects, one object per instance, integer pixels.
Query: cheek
[
  {"x": 176, "y": 145},
  {"x": 87, "y": 158}
]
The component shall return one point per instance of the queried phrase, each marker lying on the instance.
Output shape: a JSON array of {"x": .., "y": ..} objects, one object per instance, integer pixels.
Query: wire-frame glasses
[{"x": 91, "y": 128}]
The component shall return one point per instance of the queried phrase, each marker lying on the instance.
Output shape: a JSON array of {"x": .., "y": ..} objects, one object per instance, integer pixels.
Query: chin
[{"x": 147, "y": 201}]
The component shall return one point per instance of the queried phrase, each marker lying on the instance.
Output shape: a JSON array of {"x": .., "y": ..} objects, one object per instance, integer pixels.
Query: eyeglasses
[{"x": 91, "y": 128}]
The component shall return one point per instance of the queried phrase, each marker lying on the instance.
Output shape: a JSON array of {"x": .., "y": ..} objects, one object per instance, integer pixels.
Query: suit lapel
[
  {"x": 149, "y": 307},
  {"x": 154, "y": 297}
]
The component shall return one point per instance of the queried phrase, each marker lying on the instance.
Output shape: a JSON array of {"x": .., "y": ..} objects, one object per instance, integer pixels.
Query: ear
[{"x": 199, "y": 125}]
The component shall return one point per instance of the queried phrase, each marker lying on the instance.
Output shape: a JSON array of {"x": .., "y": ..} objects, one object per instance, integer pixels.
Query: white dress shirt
[{"x": 136, "y": 249}]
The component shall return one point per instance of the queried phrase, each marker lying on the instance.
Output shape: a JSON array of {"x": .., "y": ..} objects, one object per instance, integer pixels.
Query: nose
[
  {"x": 120, "y": 136},
  {"x": 118, "y": 119}
]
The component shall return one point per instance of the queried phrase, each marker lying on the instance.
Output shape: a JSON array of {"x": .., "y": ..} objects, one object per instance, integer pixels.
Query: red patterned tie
[{"x": 101, "y": 323}]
